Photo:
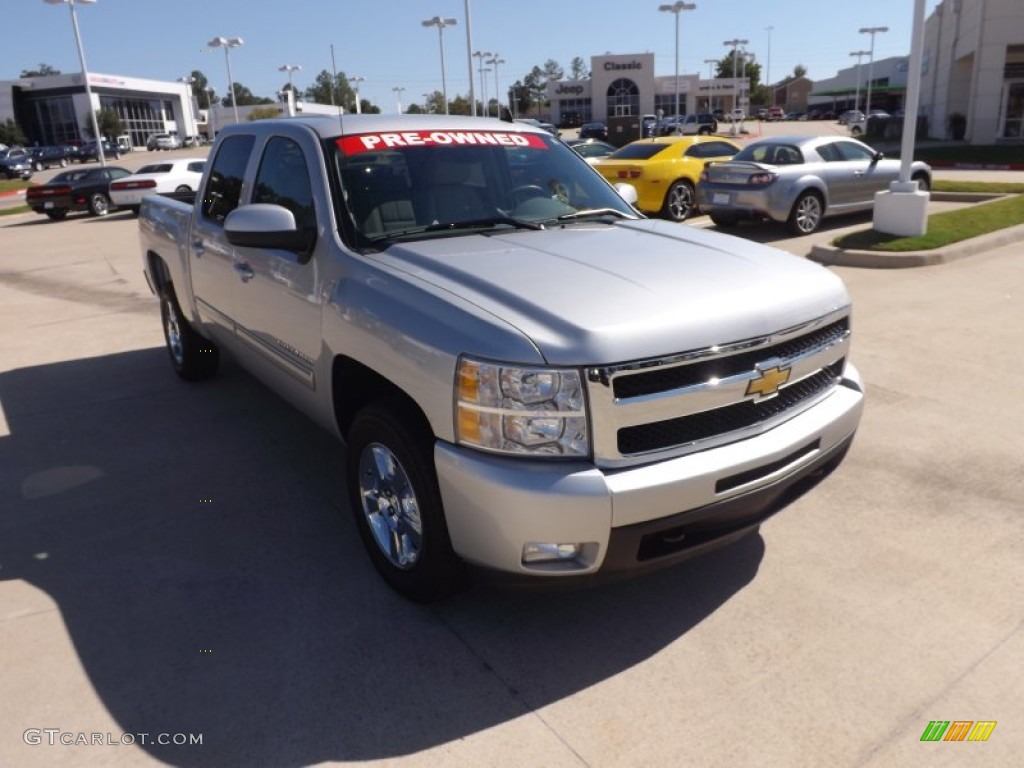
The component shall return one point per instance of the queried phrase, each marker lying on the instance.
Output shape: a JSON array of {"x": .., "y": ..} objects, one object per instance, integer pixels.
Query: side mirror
[
  {"x": 263, "y": 225},
  {"x": 878, "y": 156},
  {"x": 627, "y": 192}
]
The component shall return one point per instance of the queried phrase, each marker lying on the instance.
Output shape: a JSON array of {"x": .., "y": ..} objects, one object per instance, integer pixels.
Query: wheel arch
[{"x": 355, "y": 386}]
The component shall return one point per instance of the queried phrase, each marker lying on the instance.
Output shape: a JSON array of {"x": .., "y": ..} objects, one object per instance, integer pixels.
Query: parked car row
[
  {"x": 796, "y": 180},
  {"x": 101, "y": 189}
]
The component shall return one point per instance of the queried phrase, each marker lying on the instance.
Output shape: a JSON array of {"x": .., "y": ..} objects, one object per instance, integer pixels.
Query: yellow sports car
[{"x": 665, "y": 170}]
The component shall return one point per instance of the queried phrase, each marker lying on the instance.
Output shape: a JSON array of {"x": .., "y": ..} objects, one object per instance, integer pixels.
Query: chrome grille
[{"x": 654, "y": 409}]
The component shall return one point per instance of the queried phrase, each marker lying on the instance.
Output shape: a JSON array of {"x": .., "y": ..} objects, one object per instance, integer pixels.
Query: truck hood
[{"x": 590, "y": 294}]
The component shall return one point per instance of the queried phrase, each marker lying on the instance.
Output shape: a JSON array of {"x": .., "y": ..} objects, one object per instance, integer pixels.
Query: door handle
[
  {"x": 244, "y": 271},
  {"x": 198, "y": 247}
]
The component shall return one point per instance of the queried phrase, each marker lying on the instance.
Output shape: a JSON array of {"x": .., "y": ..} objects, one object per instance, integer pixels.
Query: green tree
[
  {"x": 578, "y": 69},
  {"x": 264, "y": 113},
  {"x": 724, "y": 69},
  {"x": 245, "y": 97},
  {"x": 11, "y": 133},
  {"x": 553, "y": 72},
  {"x": 327, "y": 89},
  {"x": 799, "y": 71},
  {"x": 44, "y": 70},
  {"x": 109, "y": 122},
  {"x": 535, "y": 84}
]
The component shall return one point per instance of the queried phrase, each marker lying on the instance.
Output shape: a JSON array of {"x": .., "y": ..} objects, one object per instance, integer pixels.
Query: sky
[{"x": 385, "y": 42}]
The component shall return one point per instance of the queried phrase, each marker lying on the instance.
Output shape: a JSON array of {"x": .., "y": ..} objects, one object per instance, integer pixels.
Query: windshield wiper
[
  {"x": 455, "y": 226},
  {"x": 489, "y": 221},
  {"x": 595, "y": 213}
]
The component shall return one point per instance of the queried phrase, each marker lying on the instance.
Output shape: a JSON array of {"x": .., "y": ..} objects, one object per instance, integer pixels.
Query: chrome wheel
[
  {"x": 99, "y": 205},
  {"x": 679, "y": 201},
  {"x": 390, "y": 506},
  {"x": 172, "y": 331},
  {"x": 806, "y": 214}
]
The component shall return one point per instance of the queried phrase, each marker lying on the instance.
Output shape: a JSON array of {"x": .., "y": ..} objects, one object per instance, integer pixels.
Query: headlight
[{"x": 508, "y": 409}]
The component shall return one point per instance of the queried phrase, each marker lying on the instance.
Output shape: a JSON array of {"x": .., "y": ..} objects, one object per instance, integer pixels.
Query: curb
[
  {"x": 12, "y": 193},
  {"x": 832, "y": 256}
]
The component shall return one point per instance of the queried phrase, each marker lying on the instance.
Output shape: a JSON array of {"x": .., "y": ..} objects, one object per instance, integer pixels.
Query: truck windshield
[{"x": 438, "y": 183}]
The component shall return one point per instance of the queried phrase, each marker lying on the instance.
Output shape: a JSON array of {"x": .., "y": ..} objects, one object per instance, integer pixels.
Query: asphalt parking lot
[{"x": 178, "y": 560}]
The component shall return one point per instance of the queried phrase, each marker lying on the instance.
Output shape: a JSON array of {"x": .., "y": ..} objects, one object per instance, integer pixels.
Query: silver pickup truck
[{"x": 530, "y": 377}]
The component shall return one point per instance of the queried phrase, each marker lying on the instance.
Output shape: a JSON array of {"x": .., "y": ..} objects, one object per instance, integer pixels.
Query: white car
[{"x": 182, "y": 175}]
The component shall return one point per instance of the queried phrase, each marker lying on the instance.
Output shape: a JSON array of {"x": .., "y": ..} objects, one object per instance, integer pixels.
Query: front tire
[
  {"x": 192, "y": 356},
  {"x": 806, "y": 214},
  {"x": 923, "y": 185},
  {"x": 99, "y": 204},
  {"x": 679, "y": 201},
  {"x": 396, "y": 502}
]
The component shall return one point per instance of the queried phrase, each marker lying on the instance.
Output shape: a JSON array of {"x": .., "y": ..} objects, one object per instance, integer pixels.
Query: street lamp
[
  {"x": 676, "y": 8},
  {"x": 469, "y": 59},
  {"x": 441, "y": 23},
  {"x": 211, "y": 125},
  {"x": 871, "y": 61},
  {"x": 858, "y": 54},
  {"x": 711, "y": 76},
  {"x": 189, "y": 80},
  {"x": 495, "y": 61},
  {"x": 735, "y": 43},
  {"x": 398, "y": 95},
  {"x": 481, "y": 56},
  {"x": 289, "y": 68},
  {"x": 357, "y": 79},
  {"x": 768, "y": 58},
  {"x": 85, "y": 74},
  {"x": 227, "y": 43}
]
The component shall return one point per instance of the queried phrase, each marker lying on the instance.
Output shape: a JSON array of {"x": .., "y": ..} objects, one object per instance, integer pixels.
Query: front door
[{"x": 1013, "y": 121}]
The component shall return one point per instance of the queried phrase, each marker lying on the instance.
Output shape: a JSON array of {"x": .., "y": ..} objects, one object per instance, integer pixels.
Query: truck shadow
[{"x": 197, "y": 544}]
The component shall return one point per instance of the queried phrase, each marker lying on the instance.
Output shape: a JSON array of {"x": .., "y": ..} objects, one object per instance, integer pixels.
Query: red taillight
[
  {"x": 36, "y": 192},
  {"x": 629, "y": 174},
  {"x": 761, "y": 179},
  {"x": 142, "y": 184}
]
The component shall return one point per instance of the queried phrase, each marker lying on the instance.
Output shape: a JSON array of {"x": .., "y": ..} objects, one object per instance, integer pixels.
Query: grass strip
[
  {"x": 993, "y": 187},
  {"x": 943, "y": 228},
  {"x": 14, "y": 210}
]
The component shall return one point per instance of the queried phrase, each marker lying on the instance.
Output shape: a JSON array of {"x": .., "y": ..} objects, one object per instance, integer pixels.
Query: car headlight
[{"x": 517, "y": 410}]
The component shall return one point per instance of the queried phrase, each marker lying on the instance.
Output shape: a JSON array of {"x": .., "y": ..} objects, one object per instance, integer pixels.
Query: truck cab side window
[
  {"x": 224, "y": 187},
  {"x": 283, "y": 179}
]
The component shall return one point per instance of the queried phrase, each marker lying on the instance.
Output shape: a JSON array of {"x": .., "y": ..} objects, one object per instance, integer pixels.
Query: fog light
[{"x": 543, "y": 552}]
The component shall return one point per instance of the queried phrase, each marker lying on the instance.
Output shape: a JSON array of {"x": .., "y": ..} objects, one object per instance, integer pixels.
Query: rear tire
[
  {"x": 723, "y": 219},
  {"x": 806, "y": 214},
  {"x": 99, "y": 204},
  {"x": 193, "y": 357},
  {"x": 679, "y": 201},
  {"x": 396, "y": 502},
  {"x": 57, "y": 213}
]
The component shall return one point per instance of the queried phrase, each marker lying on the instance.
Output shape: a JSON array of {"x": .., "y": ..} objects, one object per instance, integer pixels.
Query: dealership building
[
  {"x": 626, "y": 85},
  {"x": 54, "y": 109}
]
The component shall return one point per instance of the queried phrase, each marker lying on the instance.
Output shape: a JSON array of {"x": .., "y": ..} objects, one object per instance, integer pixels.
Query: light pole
[
  {"x": 189, "y": 80},
  {"x": 357, "y": 79},
  {"x": 398, "y": 95},
  {"x": 441, "y": 23},
  {"x": 711, "y": 76},
  {"x": 856, "y": 98},
  {"x": 85, "y": 74},
  {"x": 289, "y": 68},
  {"x": 735, "y": 43},
  {"x": 495, "y": 61},
  {"x": 676, "y": 8},
  {"x": 227, "y": 43},
  {"x": 212, "y": 127},
  {"x": 426, "y": 103},
  {"x": 469, "y": 59},
  {"x": 871, "y": 62},
  {"x": 481, "y": 56}
]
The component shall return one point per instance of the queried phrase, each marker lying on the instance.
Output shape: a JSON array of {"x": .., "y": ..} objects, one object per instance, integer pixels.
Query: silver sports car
[{"x": 799, "y": 180}]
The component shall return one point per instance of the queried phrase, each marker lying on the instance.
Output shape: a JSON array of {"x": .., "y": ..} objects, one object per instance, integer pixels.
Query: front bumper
[{"x": 639, "y": 517}]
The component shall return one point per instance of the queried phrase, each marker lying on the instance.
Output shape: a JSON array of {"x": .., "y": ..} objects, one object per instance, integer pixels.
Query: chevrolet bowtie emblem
[{"x": 769, "y": 381}]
